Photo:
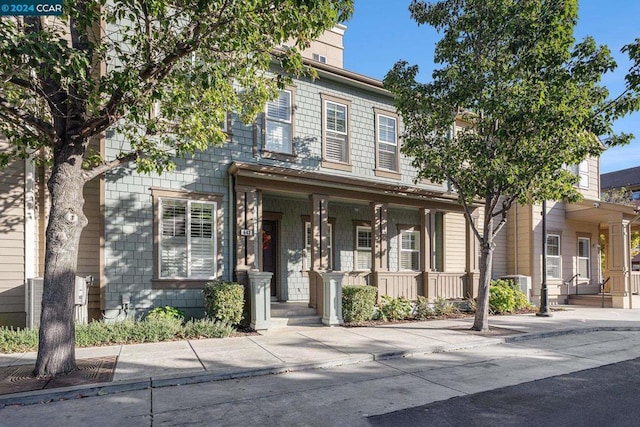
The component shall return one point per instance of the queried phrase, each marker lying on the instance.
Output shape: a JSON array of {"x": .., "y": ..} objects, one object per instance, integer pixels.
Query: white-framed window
[
  {"x": 553, "y": 256},
  {"x": 584, "y": 257},
  {"x": 387, "y": 142},
  {"x": 582, "y": 171},
  {"x": 336, "y": 137},
  {"x": 320, "y": 58},
  {"x": 306, "y": 263},
  {"x": 410, "y": 250},
  {"x": 279, "y": 124},
  {"x": 187, "y": 239},
  {"x": 363, "y": 248}
]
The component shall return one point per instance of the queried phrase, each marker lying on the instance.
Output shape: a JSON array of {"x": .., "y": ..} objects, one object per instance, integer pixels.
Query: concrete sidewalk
[{"x": 142, "y": 366}]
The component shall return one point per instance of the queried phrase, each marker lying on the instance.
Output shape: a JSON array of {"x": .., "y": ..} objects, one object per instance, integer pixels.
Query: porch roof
[
  {"x": 600, "y": 212},
  {"x": 296, "y": 181}
]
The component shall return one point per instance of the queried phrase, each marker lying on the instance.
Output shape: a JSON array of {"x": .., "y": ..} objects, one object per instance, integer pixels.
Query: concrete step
[
  {"x": 281, "y": 322},
  {"x": 293, "y": 313},
  {"x": 590, "y": 300}
]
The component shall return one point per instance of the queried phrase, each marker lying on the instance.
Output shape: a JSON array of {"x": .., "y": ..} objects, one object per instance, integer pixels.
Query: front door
[{"x": 270, "y": 252}]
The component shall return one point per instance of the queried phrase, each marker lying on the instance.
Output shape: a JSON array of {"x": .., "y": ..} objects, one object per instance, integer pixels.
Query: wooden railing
[
  {"x": 446, "y": 285},
  {"x": 635, "y": 282},
  {"x": 396, "y": 284}
]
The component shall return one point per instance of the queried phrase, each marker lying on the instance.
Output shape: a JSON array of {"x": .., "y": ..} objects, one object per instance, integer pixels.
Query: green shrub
[
  {"x": 207, "y": 328},
  {"x": 358, "y": 303},
  {"x": 17, "y": 340},
  {"x": 423, "y": 309},
  {"x": 224, "y": 301},
  {"x": 166, "y": 312},
  {"x": 394, "y": 308},
  {"x": 444, "y": 307},
  {"x": 506, "y": 297}
]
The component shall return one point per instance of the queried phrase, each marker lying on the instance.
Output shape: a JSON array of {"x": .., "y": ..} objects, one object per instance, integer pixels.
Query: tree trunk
[
  {"x": 481, "y": 322},
  {"x": 56, "y": 347}
]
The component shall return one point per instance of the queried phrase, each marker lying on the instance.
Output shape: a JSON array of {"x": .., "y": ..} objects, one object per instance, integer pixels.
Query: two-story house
[{"x": 316, "y": 184}]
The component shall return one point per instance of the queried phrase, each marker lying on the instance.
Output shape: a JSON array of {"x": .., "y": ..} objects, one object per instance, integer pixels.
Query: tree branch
[
  {"x": 42, "y": 126},
  {"x": 88, "y": 175}
]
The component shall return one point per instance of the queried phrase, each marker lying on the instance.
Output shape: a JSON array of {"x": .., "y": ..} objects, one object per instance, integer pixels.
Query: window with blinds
[
  {"x": 410, "y": 250},
  {"x": 387, "y": 142},
  {"x": 335, "y": 132},
  {"x": 363, "y": 248},
  {"x": 187, "y": 239},
  {"x": 278, "y": 126}
]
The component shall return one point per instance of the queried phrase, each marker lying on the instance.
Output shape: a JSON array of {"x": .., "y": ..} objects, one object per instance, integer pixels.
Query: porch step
[
  {"x": 594, "y": 300},
  {"x": 293, "y": 313}
]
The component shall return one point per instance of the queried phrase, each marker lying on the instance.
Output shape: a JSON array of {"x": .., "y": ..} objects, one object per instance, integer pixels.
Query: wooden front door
[{"x": 270, "y": 252}]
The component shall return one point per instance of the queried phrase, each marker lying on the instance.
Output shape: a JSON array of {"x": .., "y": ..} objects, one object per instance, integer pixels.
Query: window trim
[
  {"x": 587, "y": 258},
  {"x": 413, "y": 229},
  {"x": 333, "y": 164},
  {"x": 159, "y": 282},
  {"x": 280, "y": 155},
  {"x": 380, "y": 171},
  {"x": 558, "y": 257},
  {"x": 356, "y": 248}
]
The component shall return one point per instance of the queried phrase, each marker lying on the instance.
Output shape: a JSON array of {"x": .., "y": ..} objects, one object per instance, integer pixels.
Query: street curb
[{"x": 102, "y": 389}]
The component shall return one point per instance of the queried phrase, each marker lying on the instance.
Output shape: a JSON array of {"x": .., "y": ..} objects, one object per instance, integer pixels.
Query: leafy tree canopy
[{"x": 108, "y": 64}]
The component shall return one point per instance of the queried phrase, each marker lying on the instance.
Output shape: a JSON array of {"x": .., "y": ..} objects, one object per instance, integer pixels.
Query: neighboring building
[
  {"x": 627, "y": 180},
  {"x": 317, "y": 184}
]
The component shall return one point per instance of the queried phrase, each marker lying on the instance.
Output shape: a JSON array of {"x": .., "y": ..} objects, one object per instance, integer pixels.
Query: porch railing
[{"x": 635, "y": 282}]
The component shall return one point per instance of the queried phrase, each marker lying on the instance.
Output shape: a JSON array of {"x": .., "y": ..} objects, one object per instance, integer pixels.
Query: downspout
[
  {"x": 29, "y": 220},
  {"x": 231, "y": 222}
]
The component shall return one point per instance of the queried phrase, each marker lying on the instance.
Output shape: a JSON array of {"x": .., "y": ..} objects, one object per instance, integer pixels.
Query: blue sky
[{"x": 381, "y": 32}]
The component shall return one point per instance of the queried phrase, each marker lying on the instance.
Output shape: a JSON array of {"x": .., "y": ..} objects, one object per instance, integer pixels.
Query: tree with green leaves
[
  {"x": 528, "y": 101},
  {"x": 160, "y": 74}
]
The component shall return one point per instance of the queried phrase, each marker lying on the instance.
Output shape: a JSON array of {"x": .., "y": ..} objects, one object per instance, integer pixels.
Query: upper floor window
[
  {"x": 584, "y": 257},
  {"x": 582, "y": 171},
  {"x": 387, "y": 141},
  {"x": 335, "y": 130},
  {"x": 553, "y": 256},
  {"x": 279, "y": 124},
  {"x": 410, "y": 250},
  {"x": 187, "y": 238},
  {"x": 319, "y": 58}
]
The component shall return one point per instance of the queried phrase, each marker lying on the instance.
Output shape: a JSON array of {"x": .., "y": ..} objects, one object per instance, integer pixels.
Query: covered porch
[
  {"x": 620, "y": 286},
  {"x": 314, "y": 233}
]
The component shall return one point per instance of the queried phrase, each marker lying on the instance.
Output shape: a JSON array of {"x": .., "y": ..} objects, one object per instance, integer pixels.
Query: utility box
[
  {"x": 33, "y": 300},
  {"x": 523, "y": 282}
]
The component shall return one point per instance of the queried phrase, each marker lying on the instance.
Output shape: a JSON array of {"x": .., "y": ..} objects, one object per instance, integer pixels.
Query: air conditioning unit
[
  {"x": 524, "y": 282},
  {"x": 33, "y": 300}
]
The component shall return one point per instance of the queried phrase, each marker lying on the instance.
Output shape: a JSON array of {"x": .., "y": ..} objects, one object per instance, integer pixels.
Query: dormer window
[
  {"x": 319, "y": 58},
  {"x": 582, "y": 170}
]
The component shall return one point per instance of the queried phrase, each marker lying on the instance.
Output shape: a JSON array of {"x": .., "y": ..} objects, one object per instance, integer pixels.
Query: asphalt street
[
  {"x": 521, "y": 383},
  {"x": 605, "y": 396}
]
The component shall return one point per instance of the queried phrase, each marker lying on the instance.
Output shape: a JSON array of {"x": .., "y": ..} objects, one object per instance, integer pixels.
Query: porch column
[
  {"x": 618, "y": 262},
  {"x": 426, "y": 252},
  {"x": 332, "y": 298},
  {"x": 247, "y": 234},
  {"x": 472, "y": 267},
  {"x": 379, "y": 250},
  {"x": 260, "y": 291},
  {"x": 319, "y": 259}
]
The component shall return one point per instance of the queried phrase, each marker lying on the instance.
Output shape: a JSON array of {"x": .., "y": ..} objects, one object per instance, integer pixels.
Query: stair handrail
[{"x": 604, "y": 282}]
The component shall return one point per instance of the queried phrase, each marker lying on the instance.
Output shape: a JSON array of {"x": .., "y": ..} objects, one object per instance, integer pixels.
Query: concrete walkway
[{"x": 291, "y": 349}]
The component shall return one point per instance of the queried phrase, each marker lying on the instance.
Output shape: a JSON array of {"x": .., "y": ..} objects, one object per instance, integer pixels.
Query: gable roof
[{"x": 621, "y": 178}]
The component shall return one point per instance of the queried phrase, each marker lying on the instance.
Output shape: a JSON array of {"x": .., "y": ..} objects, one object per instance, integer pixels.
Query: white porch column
[
  {"x": 260, "y": 291},
  {"x": 332, "y": 296},
  {"x": 319, "y": 231},
  {"x": 618, "y": 262}
]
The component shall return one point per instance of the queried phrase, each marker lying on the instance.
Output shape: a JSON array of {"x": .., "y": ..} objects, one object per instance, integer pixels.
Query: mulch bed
[{"x": 19, "y": 378}]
